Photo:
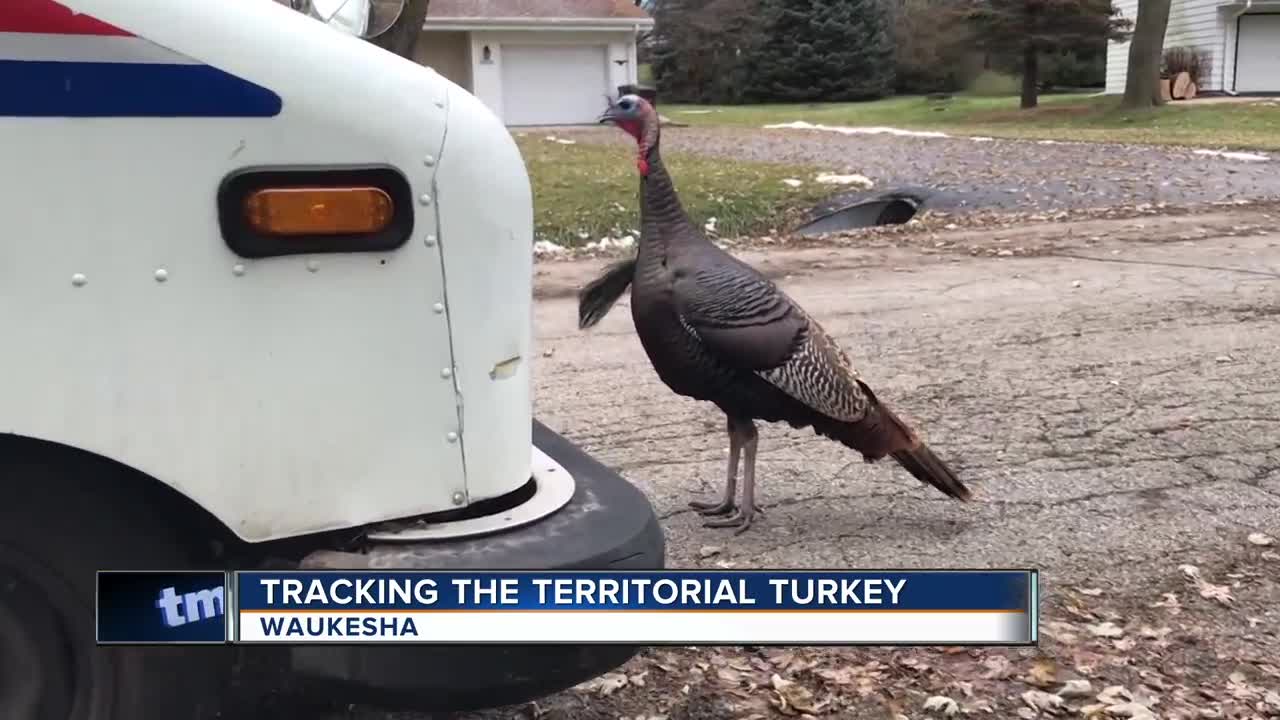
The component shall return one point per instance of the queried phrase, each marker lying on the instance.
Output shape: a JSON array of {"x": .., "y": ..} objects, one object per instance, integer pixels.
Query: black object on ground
[{"x": 893, "y": 207}]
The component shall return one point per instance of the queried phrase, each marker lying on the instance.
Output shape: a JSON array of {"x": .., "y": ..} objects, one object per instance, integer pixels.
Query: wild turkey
[{"x": 717, "y": 330}]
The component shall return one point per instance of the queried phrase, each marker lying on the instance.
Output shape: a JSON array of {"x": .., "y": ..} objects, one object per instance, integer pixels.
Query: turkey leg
[
  {"x": 748, "y": 509},
  {"x": 725, "y": 506}
]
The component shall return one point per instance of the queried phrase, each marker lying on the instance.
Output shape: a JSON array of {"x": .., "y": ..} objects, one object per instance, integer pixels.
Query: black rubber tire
[
  {"x": 62, "y": 519},
  {"x": 609, "y": 524}
]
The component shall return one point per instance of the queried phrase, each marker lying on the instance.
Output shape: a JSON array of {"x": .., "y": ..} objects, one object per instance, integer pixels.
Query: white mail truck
[{"x": 265, "y": 302}]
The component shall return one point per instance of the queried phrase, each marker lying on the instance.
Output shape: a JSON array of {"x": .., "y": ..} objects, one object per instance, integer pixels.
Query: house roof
[{"x": 535, "y": 10}]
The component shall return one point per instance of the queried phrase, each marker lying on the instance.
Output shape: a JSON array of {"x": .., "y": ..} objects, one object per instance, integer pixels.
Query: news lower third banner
[{"x": 776, "y": 607}]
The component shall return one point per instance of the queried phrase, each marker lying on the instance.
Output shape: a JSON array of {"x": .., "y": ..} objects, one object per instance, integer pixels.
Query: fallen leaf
[
  {"x": 840, "y": 676},
  {"x": 792, "y": 698},
  {"x": 638, "y": 679},
  {"x": 1107, "y": 629},
  {"x": 605, "y": 685},
  {"x": 1131, "y": 710},
  {"x": 707, "y": 551},
  {"x": 1262, "y": 539},
  {"x": 1091, "y": 592},
  {"x": 1076, "y": 689},
  {"x": 998, "y": 667},
  {"x": 1095, "y": 710},
  {"x": 1219, "y": 593},
  {"x": 1115, "y": 695},
  {"x": 1041, "y": 700},
  {"x": 942, "y": 704},
  {"x": 1043, "y": 673},
  {"x": 1151, "y": 633}
]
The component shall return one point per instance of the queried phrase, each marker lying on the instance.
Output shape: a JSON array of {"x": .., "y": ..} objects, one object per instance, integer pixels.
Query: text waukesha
[{"x": 313, "y": 627}]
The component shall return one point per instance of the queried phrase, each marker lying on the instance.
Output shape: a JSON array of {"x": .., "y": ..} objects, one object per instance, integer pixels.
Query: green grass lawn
[
  {"x": 1060, "y": 117},
  {"x": 584, "y": 192}
]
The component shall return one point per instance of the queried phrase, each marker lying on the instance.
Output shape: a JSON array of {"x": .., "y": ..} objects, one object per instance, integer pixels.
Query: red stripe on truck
[{"x": 47, "y": 16}]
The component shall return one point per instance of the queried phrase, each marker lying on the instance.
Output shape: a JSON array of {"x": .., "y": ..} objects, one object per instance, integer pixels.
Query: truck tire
[{"x": 63, "y": 517}]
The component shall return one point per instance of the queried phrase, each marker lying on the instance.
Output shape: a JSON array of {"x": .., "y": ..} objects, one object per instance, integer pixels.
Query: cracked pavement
[
  {"x": 1105, "y": 412},
  {"x": 1113, "y": 403},
  {"x": 1113, "y": 399}
]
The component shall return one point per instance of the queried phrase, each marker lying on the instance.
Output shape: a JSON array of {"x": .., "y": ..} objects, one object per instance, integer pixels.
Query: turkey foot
[
  {"x": 740, "y": 519},
  {"x": 742, "y": 439},
  {"x": 724, "y": 507}
]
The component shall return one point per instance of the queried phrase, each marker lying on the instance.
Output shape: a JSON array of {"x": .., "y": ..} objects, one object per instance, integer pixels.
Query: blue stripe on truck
[{"x": 92, "y": 89}]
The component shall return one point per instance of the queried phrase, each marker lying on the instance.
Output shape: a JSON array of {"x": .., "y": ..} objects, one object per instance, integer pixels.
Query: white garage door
[
  {"x": 553, "y": 84},
  {"x": 1258, "y": 54}
]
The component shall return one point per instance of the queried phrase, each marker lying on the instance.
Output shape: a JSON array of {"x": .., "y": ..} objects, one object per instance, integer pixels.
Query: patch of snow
[
  {"x": 846, "y": 130},
  {"x": 696, "y": 112},
  {"x": 1230, "y": 155},
  {"x": 792, "y": 182},
  {"x": 855, "y": 179},
  {"x": 1048, "y": 142},
  {"x": 546, "y": 247},
  {"x": 710, "y": 225},
  {"x": 606, "y": 243},
  {"x": 981, "y": 139},
  {"x": 563, "y": 141}
]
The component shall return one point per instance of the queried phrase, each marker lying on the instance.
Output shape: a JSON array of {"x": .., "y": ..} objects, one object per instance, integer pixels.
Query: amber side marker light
[{"x": 319, "y": 210}]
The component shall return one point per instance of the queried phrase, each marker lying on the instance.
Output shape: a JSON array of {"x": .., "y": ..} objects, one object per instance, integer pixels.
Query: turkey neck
[{"x": 665, "y": 228}]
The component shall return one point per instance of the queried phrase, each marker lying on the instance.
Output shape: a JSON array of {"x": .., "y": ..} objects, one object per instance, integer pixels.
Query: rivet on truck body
[
  {"x": 237, "y": 269},
  {"x": 459, "y": 498},
  {"x": 428, "y": 161},
  {"x": 79, "y": 279},
  {"x": 451, "y": 436},
  {"x": 446, "y": 373},
  {"x": 424, "y": 198},
  {"x": 438, "y": 307},
  {"x": 312, "y": 265},
  {"x": 439, "y": 103},
  {"x": 431, "y": 241},
  {"x": 161, "y": 274}
]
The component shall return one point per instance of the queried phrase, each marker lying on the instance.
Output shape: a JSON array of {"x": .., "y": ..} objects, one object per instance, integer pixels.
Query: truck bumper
[{"x": 608, "y": 524}]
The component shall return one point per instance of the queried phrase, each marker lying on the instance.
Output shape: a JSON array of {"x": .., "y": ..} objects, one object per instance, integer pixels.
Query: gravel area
[{"x": 1015, "y": 175}]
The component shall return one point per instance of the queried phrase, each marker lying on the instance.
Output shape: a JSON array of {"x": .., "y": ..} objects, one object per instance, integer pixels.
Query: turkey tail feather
[
  {"x": 929, "y": 468},
  {"x": 882, "y": 433},
  {"x": 597, "y": 297}
]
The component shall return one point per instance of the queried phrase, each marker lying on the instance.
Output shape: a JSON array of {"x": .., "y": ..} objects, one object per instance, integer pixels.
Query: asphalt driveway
[
  {"x": 1110, "y": 395},
  {"x": 1015, "y": 175},
  {"x": 1112, "y": 402}
]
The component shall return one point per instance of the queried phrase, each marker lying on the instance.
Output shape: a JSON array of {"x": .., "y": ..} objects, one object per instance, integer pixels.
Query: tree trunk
[
  {"x": 1142, "y": 83},
  {"x": 1030, "y": 77},
  {"x": 402, "y": 37}
]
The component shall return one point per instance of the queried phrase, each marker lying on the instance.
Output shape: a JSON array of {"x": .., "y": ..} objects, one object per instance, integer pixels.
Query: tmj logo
[{"x": 178, "y": 609}]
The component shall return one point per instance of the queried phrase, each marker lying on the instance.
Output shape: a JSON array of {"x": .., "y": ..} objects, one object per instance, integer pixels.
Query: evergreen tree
[
  {"x": 823, "y": 50},
  {"x": 1027, "y": 29},
  {"x": 699, "y": 49}
]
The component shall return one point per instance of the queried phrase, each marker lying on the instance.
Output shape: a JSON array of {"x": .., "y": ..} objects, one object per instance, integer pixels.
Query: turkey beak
[{"x": 606, "y": 117}]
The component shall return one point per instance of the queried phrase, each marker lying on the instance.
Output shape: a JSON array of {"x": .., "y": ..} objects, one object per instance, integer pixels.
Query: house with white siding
[
  {"x": 1242, "y": 38},
  {"x": 535, "y": 62}
]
